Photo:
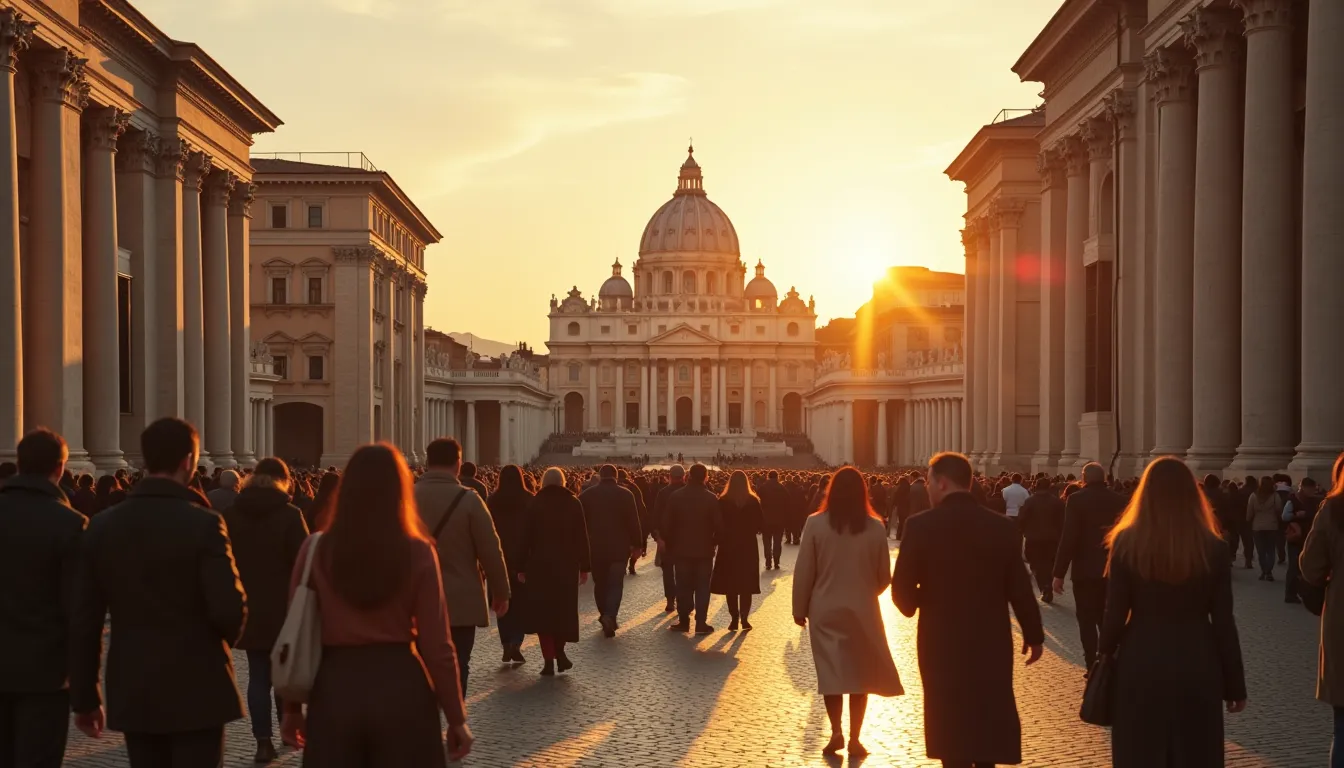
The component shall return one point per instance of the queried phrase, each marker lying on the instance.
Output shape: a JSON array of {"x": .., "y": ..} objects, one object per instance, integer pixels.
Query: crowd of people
[{"x": 176, "y": 567}]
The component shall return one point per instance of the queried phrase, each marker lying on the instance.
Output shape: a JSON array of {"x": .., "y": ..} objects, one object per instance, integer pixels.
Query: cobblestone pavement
[{"x": 654, "y": 698}]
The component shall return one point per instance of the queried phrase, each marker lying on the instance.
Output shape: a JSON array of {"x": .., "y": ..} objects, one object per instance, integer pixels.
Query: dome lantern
[{"x": 690, "y": 224}]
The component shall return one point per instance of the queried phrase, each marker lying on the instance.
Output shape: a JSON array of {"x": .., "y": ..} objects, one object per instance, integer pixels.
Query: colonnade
[
  {"x": 906, "y": 432},
  {"x": 716, "y": 383},
  {"x": 523, "y": 426},
  {"x": 261, "y": 413}
]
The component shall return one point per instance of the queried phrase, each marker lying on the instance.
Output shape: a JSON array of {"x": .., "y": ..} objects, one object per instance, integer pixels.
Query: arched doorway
[
  {"x": 684, "y": 414},
  {"x": 574, "y": 412},
  {"x": 298, "y": 433},
  {"x": 793, "y": 413}
]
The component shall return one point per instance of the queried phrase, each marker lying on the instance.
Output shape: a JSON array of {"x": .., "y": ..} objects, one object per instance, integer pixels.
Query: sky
[{"x": 539, "y": 136}]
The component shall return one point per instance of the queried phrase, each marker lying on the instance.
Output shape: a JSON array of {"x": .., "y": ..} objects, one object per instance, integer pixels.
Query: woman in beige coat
[
  {"x": 1322, "y": 555},
  {"x": 843, "y": 567}
]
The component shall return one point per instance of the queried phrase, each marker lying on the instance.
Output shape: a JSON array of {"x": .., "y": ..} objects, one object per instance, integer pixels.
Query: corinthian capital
[
  {"x": 199, "y": 165},
  {"x": 240, "y": 202},
  {"x": 1096, "y": 132},
  {"x": 61, "y": 77},
  {"x": 1007, "y": 212},
  {"x": 1170, "y": 71},
  {"x": 171, "y": 160},
  {"x": 139, "y": 152},
  {"x": 1214, "y": 35},
  {"x": 16, "y": 34},
  {"x": 1261, "y": 15},
  {"x": 106, "y": 124},
  {"x": 219, "y": 186},
  {"x": 1074, "y": 151},
  {"x": 1118, "y": 108},
  {"x": 1051, "y": 165}
]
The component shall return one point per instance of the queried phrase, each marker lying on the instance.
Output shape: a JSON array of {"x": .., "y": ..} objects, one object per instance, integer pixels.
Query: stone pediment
[{"x": 683, "y": 335}]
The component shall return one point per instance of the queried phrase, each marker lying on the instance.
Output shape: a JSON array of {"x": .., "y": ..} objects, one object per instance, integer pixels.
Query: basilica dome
[
  {"x": 616, "y": 287},
  {"x": 760, "y": 286},
  {"x": 689, "y": 222}
]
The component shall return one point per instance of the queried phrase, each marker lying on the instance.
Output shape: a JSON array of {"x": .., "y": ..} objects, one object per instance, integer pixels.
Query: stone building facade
[
  {"x": 1189, "y": 172},
  {"x": 124, "y": 201}
]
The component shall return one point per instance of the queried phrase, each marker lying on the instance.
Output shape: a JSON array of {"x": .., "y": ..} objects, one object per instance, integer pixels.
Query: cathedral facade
[{"x": 686, "y": 346}]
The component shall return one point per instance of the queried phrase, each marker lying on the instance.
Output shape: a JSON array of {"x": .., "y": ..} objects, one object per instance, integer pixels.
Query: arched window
[
  {"x": 667, "y": 282},
  {"x": 688, "y": 282},
  {"x": 792, "y": 330},
  {"x": 758, "y": 304},
  {"x": 573, "y": 329},
  {"x": 711, "y": 283},
  {"x": 575, "y": 370}
]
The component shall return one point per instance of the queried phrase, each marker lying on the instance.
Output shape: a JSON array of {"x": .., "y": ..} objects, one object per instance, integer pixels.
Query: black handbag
[{"x": 1099, "y": 696}]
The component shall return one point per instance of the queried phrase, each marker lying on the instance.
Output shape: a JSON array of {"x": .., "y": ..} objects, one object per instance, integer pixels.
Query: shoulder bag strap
[
  {"x": 308, "y": 561},
  {"x": 451, "y": 507}
]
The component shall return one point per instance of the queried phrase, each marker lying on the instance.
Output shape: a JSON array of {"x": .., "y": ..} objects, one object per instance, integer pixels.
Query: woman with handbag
[
  {"x": 1321, "y": 554},
  {"x": 1168, "y": 628},
  {"x": 382, "y": 612}
]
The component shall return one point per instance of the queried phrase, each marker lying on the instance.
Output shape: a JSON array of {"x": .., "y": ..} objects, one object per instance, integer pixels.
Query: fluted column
[
  {"x": 1051, "y": 164},
  {"x": 505, "y": 447},
  {"x": 470, "y": 448},
  {"x": 645, "y": 398},
  {"x": 240, "y": 322},
  {"x": 169, "y": 328},
  {"x": 672, "y": 394},
  {"x": 1214, "y": 35},
  {"x": 419, "y": 288},
  {"x": 1075, "y": 297},
  {"x": 723, "y": 395},
  {"x": 102, "y": 403},
  {"x": 979, "y": 364},
  {"x": 695, "y": 395},
  {"x": 956, "y": 424},
  {"x": 594, "y": 411},
  {"x": 772, "y": 401},
  {"x": 215, "y": 284},
  {"x": 749, "y": 397},
  {"x": 1322, "y": 232},
  {"x": 1009, "y": 213},
  {"x": 193, "y": 296},
  {"x": 969, "y": 241},
  {"x": 994, "y": 445},
  {"x": 53, "y": 343},
  {"x": 849, "y": 432},
  {"x": 15, "y": 35},
  {"x": 714, "y": 397},
  {"x": 618, "y": 414},
  {"x": 1269, "y": 365}
]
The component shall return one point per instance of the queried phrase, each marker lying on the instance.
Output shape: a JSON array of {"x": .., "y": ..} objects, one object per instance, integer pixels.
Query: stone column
[
  {"x": 505, "y": 448},
  {"x": 1050, "y": 164},
  {"x": 645, "y": 398},
  {"x": 53, "y": 285},
  {"x": 994, "y": 308},
  {"x": 1128, "y": 415},
  {"x": 102, "y": 402},
  {"x": 969, "y": 242},
  {"x": 618, "y": 412},
  {"x": 749, "y": 398},
  {"x": 723, "y": 395},
  {"x": 169, "y": 337},
  {"x": 1009, "y": 212},
  {"x": 594, "y": 409},
  {"x": 470, "y": 447},
  {"x": 978, "y": 366},
  {"x": 389, "y": 297},
  {"x": 419, "y": 288},
  {"x": 671, "y": 395},
  {"x": 1269, "y": 296},
  {"x": 1214, "y": 34},
  {"x": 193, "y": 296},
  {"x": 449, "y": 419},
  {"x": 882, "y": 457},
  {"x": 772, "y": 401},
  {"x": 240, "y": 314},
  {"x": 714, "y": 399},
  {"x": 215, "y": 284},
  {"x": 15, "y": 35},
  {"x": 1075, "y": 297},
  {"x": 1322, "y": 232},
  {"x": 849, "y": 432},
  {"x": 696, "y": 395},
  {"x": 956, "y": 424},
  {"x": 907, "y": 457}
]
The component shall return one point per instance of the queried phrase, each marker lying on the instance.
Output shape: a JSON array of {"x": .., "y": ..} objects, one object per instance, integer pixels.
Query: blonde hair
[
  {"x": 738, "y": 489},
  {"x": 1165, "y": 532},
  {"x": 553, "y": 476}
]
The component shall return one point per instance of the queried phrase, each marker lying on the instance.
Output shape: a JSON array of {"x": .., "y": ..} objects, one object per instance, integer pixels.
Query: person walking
[
  {"x": 266, "y": 531},
  {"x": 645, "y": 521},
  {"x": 1322, "y": 555},
  {"x": 737, "y": 569},
  {"x": 960, "y": 566},
  {"x": 225, "y": 491},
  {"x": 1014, "y": 496},
  {"x": 917, "y": 501},
  {"x": 1299, "y": 514},
  {"x": 611, "y": 516},
  {"x": 840, "y": 574},
  {"x": 388, "y": 664},
  {"x": 691, "y": 530},
  {"x": 1041, "y": 520},
  {"x": 676, "y": 481},
  {"x": 556, "y": 564},
  {"x": 1089, "y": 514},
  {"x": 467, "y": 472},
  {"x": 324, "y": 501},
  {"x": 900, "y": 505},
  {"x": 508, "y": 507},
  {"x": 1169, "y": 626},
  {"x": 85, "y": 498},
  {"x": 39, "y": 546},
  {"x": 775, "y": 508},
  {"x": 1263, "y": 511},
  {"x": 1243, "y": 496},
  {"x": 161, "y": 565},
  {"x": 460, "y": 527}
]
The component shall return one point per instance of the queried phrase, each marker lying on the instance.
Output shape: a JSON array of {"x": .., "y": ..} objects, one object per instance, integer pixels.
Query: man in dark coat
[
  {"x": 467, "y": 477},
  {"x": 691, "y": 530},
  {"x": 161, "y": 564},
  {"x": 1088, "y": 516},
  {"x": 798, "y": 512},
  {"x": 1041, "y": 519},
  {"x": 917, "y": 501},
  {"x": 39, "y": 544},
  {"x": 960, "y": 566},
  {"x": 614, "y": 537},
  {"x": 645, "y": 524},
  {"x": 1224, "y": 508},
  {"x": 266, "y": 532},
  {"x": 777, "y": 508},
  {"x": 678, "y": 481}
]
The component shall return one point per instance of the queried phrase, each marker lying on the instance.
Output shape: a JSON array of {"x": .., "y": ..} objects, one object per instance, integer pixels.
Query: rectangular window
[
  {"x": 314, "y": 290},
  {"x": 315, "y": 367},
  {"x": 314, "y": 217},
  {"x": 278, "y": 292},
  {"x": 573, "y": 373},
  {"x": 792, "y": 377},
  {"x": 1097, "y": 359},
  {"x": 282, "y": 366},
  {"x": 760, "y": 330},
  {"x": 124, "y": 342},
  {"x": 704, "y": 329},
  {"x": 633, "y": 329},
  {"x": 734, "y": 329},
  {"x": 279, "y": 217},
  {"x": 606, "y": 330}
]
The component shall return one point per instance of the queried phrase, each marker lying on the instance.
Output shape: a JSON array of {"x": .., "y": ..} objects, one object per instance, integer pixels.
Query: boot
[
  {"x": 562, "y": 662},
  {"x": 549, "y": 669},
  {"x": 265, "y": 752}
]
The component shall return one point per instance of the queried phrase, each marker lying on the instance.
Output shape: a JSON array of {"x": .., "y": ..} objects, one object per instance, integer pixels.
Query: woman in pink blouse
[{"x": 383, "y": 613}]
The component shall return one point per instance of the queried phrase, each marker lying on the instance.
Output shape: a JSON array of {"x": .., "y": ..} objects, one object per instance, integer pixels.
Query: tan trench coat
[{"x": 1322, "y": 555}]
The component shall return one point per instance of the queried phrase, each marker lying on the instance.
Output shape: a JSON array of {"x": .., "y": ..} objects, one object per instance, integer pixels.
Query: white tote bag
[{"x": 298, "y": 650}]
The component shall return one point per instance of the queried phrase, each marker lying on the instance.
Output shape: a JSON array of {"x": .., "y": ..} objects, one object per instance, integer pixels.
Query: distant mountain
[{"x": 485, "y": 347}]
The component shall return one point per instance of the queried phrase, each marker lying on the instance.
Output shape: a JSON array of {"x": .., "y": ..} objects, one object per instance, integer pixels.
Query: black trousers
[
  {"x": 191, "y": 749},
  {"x": 964, "y": 764},
  {"x": 1247, "y": 543},
  {"x": 464, "y": 639},
  {"x": 33, "y": 728},
  {"x": 1089, "y": 599},
  {"x": 772, "y": 546},
  {"x": 1041, "y": 558},
  {"x": 669, "y": 579}
]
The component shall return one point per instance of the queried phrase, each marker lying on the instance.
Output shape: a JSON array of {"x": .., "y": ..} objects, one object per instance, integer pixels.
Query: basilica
[{"x": 686, "y": 353}]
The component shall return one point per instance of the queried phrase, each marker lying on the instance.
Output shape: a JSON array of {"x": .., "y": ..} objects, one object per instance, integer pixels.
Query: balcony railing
[{"x": 487, "y": 376}]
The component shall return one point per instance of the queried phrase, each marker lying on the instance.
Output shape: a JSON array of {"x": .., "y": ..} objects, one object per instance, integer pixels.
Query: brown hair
[
  {"x": 373, "y": 528},
  {"x": 1165, "y": 532},
  {"x": 847, "y": 501},
  {"x": 739, "y": 489}
]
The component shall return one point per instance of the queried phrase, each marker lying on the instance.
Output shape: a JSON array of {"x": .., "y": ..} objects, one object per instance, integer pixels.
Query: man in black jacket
[
  {"x": 691, "y": 530},
  {"x": 625, "y": 481},
  {"x": 1225, "y": 509},
  {"x": 1088, "y": 516},
  {"x": 1041, "y": 519},
  {"x": 777, "y": 509},
  {"x": 614, "y": 537},
  {"x": 160, "y": 563},
  {"x": 39, "y": 545},
  {"x": 678, "y": 481}
]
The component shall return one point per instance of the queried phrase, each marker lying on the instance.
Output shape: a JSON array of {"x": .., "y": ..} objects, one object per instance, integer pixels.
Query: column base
[
  {"x": 246, "y": 460},
  {"x": 222, "y": 459},
  {"x": 107, "y": 462},
  {"x": 337, "y": 460},
  {"x": 1315, "y": 460},
  {"x": 1205, "y": 460},
  {"x": 1047, "y": 463},
  {"x": 1260, "y": 461},
  {"x": 1131, "y": 465},
  {"x": 1070, "y": 461}
]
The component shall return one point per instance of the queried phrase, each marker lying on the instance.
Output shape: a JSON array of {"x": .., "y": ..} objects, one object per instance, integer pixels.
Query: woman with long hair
[
  {"x": 319, "y": 512},
  {"x": 1263, "y": 510},
  {"x": 388, "y": 663},
  {"x": 508, "y": 508},
  {"x": 109, "y": 492},
  {"x": 737, "y": 565},
  {"x": 1168, "y": 626},
  {"x": 1321, "y": 553},
  {"x": 843, "y": 567},
  {"x": 555, "y": 563}
]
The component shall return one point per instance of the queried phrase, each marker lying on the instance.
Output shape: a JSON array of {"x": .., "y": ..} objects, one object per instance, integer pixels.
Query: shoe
[
  {"x": 632, "y": 571},
  {"x": 681, "y": 626},
  {"x": 671, "y": 605},
  {"x": 508, "y": 655},
  {"x": 549, "y": 669},
  {"x": 746, "y": 626},
  {"x": 1047, "y": 598},
  {"x": 265, "y": 752},
  {"x": 608, "y": 626},
  {"x": 856, "y": 750},
  {"x": 516, "y": 655},
  {"x": 703, "y": 629},
  {"x": 1248, "y": 565},
  {"x": 732, "y": 627},
  {"x": 1269, "y": 577},
  {"x": 563, "y": 664},
  {"x": 1262, "y": 577}
]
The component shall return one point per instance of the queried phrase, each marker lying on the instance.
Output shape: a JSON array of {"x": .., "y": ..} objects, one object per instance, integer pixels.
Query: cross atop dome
[
  {"x": 760, "y": 268},
  {"x": 690, "y": 182},
  {"x": 616, "y": 269}
]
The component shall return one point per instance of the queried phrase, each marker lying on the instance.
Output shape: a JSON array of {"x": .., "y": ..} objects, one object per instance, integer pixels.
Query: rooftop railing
[
  {"x": 336, "y": 159},
  {"x": 1009, "y": 114}
]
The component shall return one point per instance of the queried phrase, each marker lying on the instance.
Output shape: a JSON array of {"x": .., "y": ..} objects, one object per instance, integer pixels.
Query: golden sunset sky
[{"x": 540, "y": 135}]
